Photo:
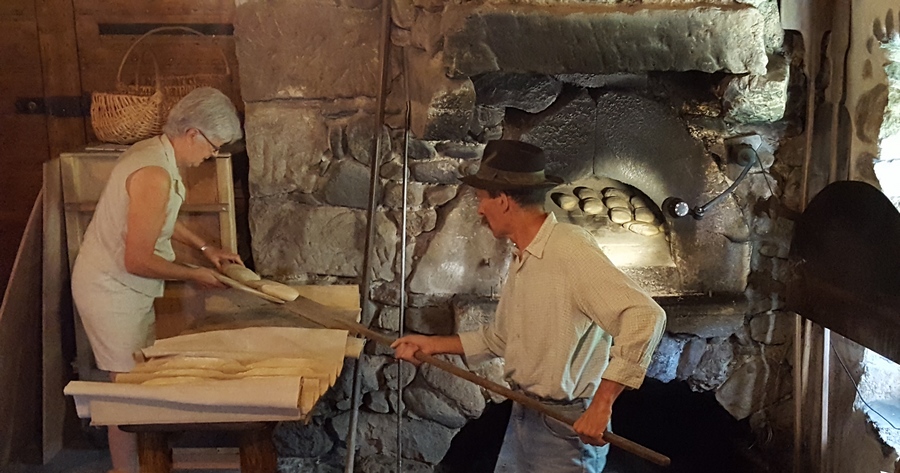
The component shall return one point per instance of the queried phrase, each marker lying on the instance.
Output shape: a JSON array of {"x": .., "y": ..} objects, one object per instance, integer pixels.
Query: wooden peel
[
  {"x": 240, "y": 286},
  {"x": 338, "y": 319}
]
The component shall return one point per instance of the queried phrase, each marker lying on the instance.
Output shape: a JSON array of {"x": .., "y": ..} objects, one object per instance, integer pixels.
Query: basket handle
[
  {"x": 157, "y": 30},
  {"x": 140, "y": 67}
]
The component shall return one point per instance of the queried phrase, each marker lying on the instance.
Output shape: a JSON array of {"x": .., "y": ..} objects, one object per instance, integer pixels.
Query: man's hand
[
  {"x": 591, "y": 425},
  {"x": 405, "y": 348}
]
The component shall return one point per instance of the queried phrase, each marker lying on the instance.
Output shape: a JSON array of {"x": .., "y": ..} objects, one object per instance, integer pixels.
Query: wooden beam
[
  {"x": 61, "y": 72},
  {"x": 57, "y": 312}
]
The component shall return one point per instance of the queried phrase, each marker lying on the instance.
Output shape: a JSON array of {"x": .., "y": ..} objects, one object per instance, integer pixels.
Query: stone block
[
  {"x": 772, "y": 328},
  {"x": 298, "y": 439},
  {"x": 398, "y": 374},
  {"x": 426, "y": 32},
  {"x": 758, "y": 98},
  {"x": 377, "y": 401},
  {"x": 438, "y": 171},
  {"x": 418, "y": 149},
  {"x": 464, "y": 257},
  {"x": 361, "y": 138},
  {"x": 566, "y": 151},
  {"x": 714, "y": 366},
  {"x": 440, "y": 194},
  {"x": 705, "y": 325},
  {"x": 347, "y": 184},
  {"x": 529, "y": 38},
  {"x": 393, "y": 195},
  {"x": 428, "y": 404},
  {"x": 690, "y": 357},
  {"x": 755, "y": 385},
  {"x": 456, "y": 150},
  {"x": 463, "y": 394},
  {"x": 418, "y": 221},
  {"x": 370, "y": 367},
  {"x": 291, "y": 239},
  {"x": 420, "y": 439},
  {"x": 384, "y": 464},
  {"x": 403, "y": 13},
  {"x": 306, "y": 49},
  {"x": 441, "y": 107},
  {"x": 532, "y": 93},
  {"x": 664, "y": 364},
  {"x": 286, "y": 143},
  {"x": 389, "y": 318},
  {"x": 430, "y": 320}
]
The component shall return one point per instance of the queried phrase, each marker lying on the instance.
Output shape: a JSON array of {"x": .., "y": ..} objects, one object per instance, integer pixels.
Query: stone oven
[{"x": 633, "y": 102}]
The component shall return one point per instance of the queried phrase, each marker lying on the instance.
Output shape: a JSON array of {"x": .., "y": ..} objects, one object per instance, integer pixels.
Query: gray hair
[{"x": 207, "y": 110}]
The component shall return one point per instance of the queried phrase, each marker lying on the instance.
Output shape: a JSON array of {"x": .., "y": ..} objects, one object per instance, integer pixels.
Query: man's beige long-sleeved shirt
[{"x": 567, "y": 318}]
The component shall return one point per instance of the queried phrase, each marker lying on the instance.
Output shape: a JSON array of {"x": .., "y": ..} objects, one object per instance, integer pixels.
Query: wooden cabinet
[{"x": 208, "y": 210}]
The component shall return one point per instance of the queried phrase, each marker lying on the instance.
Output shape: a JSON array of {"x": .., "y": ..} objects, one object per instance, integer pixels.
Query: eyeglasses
[{"x": 214, "y": 147}]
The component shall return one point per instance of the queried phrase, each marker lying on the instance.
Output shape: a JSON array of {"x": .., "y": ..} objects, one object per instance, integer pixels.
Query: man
[{"x": 574, "y": 331}]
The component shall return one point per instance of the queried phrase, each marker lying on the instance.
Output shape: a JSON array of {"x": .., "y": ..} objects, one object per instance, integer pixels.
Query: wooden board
[
  {"x": 20, "y": 351},
  {"x": 56, "y": 313}
]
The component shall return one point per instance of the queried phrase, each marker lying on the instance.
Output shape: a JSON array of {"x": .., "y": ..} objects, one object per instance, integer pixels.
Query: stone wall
[{"x": 620, "y": 106}]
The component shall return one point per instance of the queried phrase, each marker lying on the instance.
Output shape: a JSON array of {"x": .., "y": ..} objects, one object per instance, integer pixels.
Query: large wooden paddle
[{"x": 347, "y": 320}]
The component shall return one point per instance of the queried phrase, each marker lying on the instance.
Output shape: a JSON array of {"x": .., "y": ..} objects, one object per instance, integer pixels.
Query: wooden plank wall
[
  {"x": 72, "y": 48},
  {"x": 106, "y": 29},
  {"x": 23, "y": 138}
]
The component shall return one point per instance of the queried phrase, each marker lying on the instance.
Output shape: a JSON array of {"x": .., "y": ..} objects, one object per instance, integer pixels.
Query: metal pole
[
  {"x": 374, "y": 165},
  {"x": 403, "y": 229}
]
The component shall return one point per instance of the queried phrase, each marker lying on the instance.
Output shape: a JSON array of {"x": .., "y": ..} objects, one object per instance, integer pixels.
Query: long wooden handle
[{"x": 613, "y": 439}]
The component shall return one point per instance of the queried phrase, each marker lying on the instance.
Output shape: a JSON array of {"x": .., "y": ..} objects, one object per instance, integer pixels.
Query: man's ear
[{"x": 504, "y": 201}]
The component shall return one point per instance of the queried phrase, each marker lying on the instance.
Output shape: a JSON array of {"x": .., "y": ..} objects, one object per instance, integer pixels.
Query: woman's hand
[
  {"x": 219, "y": 257},
  {"x": 206, "y": 277}
]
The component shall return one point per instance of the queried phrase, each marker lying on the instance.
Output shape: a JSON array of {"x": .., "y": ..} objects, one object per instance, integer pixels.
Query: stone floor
[
  {"x": 69, "y": 461},
  {"x": 97, "y": 461}
]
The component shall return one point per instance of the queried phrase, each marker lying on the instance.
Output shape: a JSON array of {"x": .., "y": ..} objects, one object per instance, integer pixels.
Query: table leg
[
  {"x": 258, "y": 451},
  {"x": 154, "y": 454}
]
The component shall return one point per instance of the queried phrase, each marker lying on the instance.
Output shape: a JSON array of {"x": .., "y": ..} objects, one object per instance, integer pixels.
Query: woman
[{"x": 127, "y": 249}]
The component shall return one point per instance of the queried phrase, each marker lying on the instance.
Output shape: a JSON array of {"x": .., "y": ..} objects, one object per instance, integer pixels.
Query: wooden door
[
  {"x": 23, "y": 138},
  {"x": 53, "y": 54},
  {"x": 40, "y": 113}
]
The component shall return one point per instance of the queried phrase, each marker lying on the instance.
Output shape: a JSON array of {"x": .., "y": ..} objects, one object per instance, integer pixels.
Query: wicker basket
[{"x": 139, "y": 110}]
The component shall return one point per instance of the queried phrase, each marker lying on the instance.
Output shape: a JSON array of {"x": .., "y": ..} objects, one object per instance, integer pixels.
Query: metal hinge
[{"x": 59, "y": 106}]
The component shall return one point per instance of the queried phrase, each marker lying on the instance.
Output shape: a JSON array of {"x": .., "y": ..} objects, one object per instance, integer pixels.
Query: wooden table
[{"x": 257, "y": 450}]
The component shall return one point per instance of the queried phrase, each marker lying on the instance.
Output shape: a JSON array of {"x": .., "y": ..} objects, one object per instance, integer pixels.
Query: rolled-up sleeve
[
  {"x": 482, "y": 345},
  {"x": 622, "y": 309},
  {"x": 639, "y": 334}
]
